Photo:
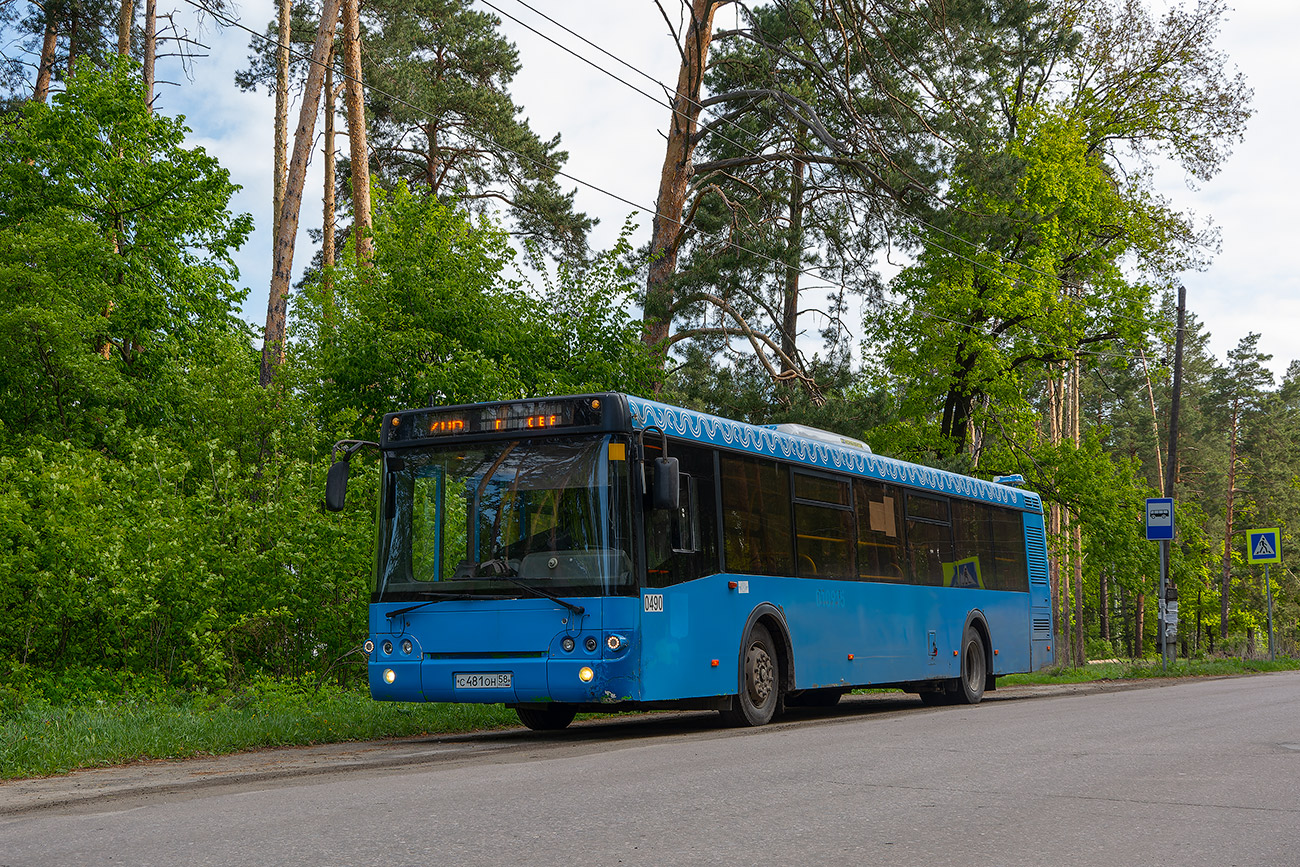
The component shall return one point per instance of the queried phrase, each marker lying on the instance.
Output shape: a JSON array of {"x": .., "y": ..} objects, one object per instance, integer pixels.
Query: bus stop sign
[
  {"x": 1160, "y": 519},
  {"x": 1263, "y": 546}
]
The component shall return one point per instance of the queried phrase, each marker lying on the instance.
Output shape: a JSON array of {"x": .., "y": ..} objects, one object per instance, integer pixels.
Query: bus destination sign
[{"x": 531, "y": 416}]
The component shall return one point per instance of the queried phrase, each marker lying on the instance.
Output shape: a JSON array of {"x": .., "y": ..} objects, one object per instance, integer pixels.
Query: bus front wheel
[
  {"x": 545, "y": 717},
  {"x": 760, "y": 681}
]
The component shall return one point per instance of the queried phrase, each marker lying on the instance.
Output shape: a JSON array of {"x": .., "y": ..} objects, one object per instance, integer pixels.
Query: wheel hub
[{"x": 760, "y": 674}]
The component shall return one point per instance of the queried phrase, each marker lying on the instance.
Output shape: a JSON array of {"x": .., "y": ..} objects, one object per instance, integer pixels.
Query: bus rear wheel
[
  {"x": 760, "y": 681},
  {"x": 974, "y": 669},
  {"x": 545, "y": 717}
]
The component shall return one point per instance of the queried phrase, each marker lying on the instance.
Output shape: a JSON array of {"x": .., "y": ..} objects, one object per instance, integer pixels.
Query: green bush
[{"x": 1099, "y": 648}]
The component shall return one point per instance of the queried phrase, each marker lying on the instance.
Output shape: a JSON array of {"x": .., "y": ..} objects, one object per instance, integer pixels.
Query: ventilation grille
[
  {"x": 1034, "y": 502},
  {"x": 1042, "y": 626},
  {"x": 1036, "y": 543}
]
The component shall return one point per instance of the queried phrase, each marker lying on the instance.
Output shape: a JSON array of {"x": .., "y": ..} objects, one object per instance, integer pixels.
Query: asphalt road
[{"x": 1177, "y": 773}]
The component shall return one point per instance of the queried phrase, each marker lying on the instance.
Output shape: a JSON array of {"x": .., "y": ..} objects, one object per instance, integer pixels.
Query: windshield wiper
[
  {"x": 500, "y": 568},
  {"x": 439, "y": 597},
  {"x": 537, "y": 591}
]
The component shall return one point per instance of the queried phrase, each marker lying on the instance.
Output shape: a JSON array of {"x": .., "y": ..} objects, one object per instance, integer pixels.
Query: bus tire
[
  {"x": 974, "y": 668},
  {"x": 759, "y": 681},
  {"x": 545, "y": 717}
]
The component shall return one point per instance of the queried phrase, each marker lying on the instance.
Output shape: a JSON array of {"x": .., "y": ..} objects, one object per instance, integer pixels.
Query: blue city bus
[{"x": 603, "y": 552}]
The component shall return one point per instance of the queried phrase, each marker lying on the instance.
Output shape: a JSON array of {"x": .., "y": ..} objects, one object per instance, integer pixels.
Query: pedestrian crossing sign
[{"x": 1264, "y": 546}]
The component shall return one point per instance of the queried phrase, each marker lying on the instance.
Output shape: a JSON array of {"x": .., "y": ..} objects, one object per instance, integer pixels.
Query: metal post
[
  {"x": 1161, "y": 607},
  {"x": 1272, "y": 657}
]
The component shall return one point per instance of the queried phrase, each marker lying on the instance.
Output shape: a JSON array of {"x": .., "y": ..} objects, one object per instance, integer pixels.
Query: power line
[
  {"x": 228, "y": 21},
  {"x": 750, "y": 152}
]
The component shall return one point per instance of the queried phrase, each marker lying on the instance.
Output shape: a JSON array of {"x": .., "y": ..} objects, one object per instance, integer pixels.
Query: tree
[
  {"x": 1083, "y": 115},
  {"x": 433, "y": 318},
  {"x": 668, "y": 227},
  {"x": 819, "y": 128},
  {"x": 450, "y": 125},
  {"x": 114, "y": 235},
  {"x": 1241, "y": 388},
  {"x": 273, "y": 338},
  {"x": 56, "y": 37}
]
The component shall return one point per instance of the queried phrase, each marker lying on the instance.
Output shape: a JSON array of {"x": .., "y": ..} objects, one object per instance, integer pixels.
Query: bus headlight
[
  {"x": 585, "y": 674},
  {"x": 389, "y": 675},
  {"x": 369, "y": 646},
  {"x": 407, "y": 646}
]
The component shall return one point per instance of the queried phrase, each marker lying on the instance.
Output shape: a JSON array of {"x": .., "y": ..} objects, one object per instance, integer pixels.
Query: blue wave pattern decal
[{"x": 711, "y": 429}]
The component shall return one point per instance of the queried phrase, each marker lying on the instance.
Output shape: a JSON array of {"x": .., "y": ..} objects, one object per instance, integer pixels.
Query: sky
[{"x": 615, "y": 143}]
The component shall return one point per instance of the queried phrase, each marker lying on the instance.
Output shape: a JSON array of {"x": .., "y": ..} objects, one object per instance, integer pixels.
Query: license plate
[{"x": 483, "y": 680}]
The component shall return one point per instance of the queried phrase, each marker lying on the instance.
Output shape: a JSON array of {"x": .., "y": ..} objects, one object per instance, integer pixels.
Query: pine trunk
[
  {"x": 1140, "y": 614},
  {"x": 358, "y": 149},
  {"x": 1077, "y": 525},
  {"x": 150, "y": 49},
  {"x": 125, "y": 18},
  {"x": 1155, "y": 425},
  {"x": 1226, "y": 584},
  {"x": 793, "y": 259},
  {"x": 281, "y": 116},
  {"x": 49, "y": 45},
  {"x": 1054, "y": 524},
  {"x": 278, "y": 300},
  {"x": 1103, "y": 604},
  {"x": 675, "y": 178},
  {"x": 327, "y": 217}
]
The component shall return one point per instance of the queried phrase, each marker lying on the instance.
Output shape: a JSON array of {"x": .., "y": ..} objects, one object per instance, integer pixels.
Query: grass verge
[
  {"x": 43, "y": 733},
  {"x": 1137, "y": 669},
  {"x": 39, "y": 738}
]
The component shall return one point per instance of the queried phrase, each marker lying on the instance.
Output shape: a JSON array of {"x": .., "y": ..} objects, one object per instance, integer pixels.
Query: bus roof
[{"x": 740, "y": 436}]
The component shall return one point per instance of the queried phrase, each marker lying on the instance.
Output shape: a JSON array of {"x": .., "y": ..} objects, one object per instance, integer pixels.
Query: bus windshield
[{"x": 482, "y": 519}]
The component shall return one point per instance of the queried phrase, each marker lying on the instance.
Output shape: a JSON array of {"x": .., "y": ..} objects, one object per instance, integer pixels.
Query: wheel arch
[
  {"x": 774, "y": 619},
  {"x": 975, "y": 619}
]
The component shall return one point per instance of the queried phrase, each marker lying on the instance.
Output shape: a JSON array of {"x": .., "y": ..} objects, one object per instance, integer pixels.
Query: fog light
[
  {"x": 614, "y": 642},
  {"x": 568, "y": 644},
  {"x": 388, "y": 647},
  {"x": 389, "y": 675},
  {"x": 585, "y": 674},
  {"x": 407, "y": 646},
  {"x": 369, "y": 646}
]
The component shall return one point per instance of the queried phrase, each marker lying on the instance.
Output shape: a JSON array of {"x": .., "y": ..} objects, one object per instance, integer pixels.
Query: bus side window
[
  {"x": 880, "y": 531},
  {"x": 686, "y": 523},
  {"x": 929, "y": 539},
  {"x": 973, "y": 537},
  {"x": 682, "y": 545},
  {"x": 824, "y": 527},
  {"x": 1009, "y": 550},
  {"x": 756, "y": 516}
]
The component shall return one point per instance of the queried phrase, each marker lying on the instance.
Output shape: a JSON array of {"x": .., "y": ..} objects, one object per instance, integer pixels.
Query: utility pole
[{"x": 1171, "y": 471}]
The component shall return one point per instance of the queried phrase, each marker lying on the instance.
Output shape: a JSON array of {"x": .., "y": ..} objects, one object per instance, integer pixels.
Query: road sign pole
[
  {"x": 1272, "y": 657},
  {"x": 1262, "y": 548},
  {"x": 1161, "y": 628}
]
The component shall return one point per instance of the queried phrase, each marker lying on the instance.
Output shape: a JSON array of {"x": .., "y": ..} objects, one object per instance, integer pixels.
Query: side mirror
[
  {"x": 666, "y": 481},
  {"x": 336, "y": 485}
]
